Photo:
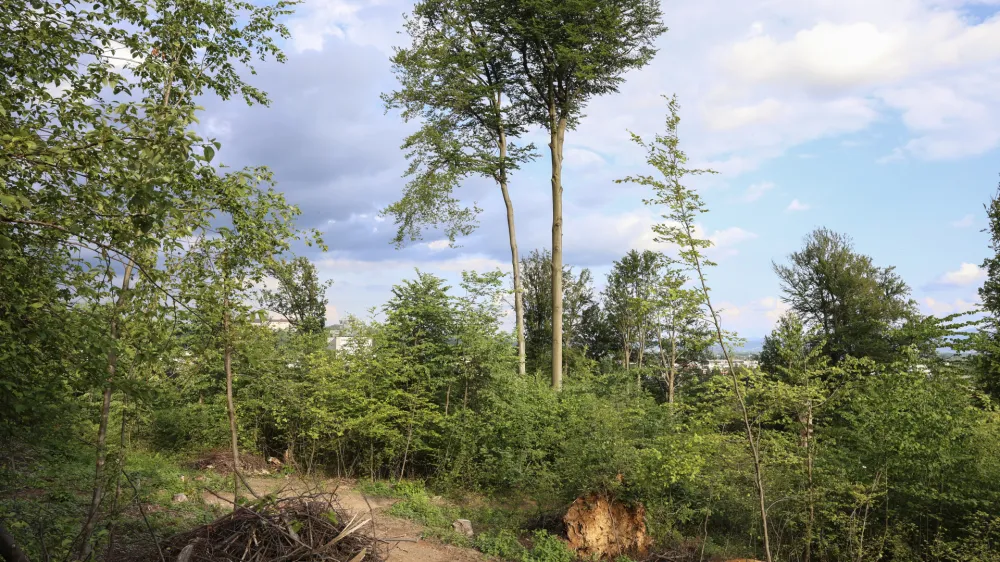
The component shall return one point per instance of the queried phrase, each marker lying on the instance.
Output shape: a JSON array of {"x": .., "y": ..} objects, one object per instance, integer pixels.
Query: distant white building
[
  {"x": 276, "y": 323},
  {"x": 338, "y": 339},
  {"x": 723, "y": 365}
]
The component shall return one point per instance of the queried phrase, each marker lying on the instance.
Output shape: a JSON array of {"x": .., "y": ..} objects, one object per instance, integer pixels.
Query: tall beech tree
[
  {"x": 629, "y": 301},
  {"x": 456, "y": 78},
  {"x": 683, "y": 205},
  {"x": 987, "y": 339},
  {"x": 856, "y": 306},
  {"x": 567, "y": 52}
]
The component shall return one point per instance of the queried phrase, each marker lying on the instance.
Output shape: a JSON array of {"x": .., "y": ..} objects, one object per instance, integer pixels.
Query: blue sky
[{"x": 876, "y": 118}]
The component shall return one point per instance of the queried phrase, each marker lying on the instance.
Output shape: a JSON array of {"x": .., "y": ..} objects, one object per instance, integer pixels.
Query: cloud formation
[
  {"x": 754, "y": 84},
  {"x": 797, "y": 205},
  {"x": 757, "y": 190},
  {"x": 944, "y": 308},
  {"x": 966, "y": 274}
]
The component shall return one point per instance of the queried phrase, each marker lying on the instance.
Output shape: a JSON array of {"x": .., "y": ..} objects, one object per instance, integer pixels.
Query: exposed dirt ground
[{"x": 355, "y": 503}]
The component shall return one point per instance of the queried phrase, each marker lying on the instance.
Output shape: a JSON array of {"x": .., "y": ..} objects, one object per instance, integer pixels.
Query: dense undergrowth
[{"x": 44, "y": 494}]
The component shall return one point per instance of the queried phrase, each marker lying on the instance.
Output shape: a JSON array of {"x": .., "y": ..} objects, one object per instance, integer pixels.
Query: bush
[
  {"x": 502, "y": 544},
  {"x": 548, "y": 548},
  {"x": 189, "y": 426},
  {"x": 417, "y": 506}
]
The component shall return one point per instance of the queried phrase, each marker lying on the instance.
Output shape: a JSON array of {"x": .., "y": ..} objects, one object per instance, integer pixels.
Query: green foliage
[
  {"x": 856, "y": 306},
  {"x": 419, "y": 507},
  {"x": 187, "y": 426},
  {"x": 503, "y": 544},
  {"x": 130, "y": 261},
  {"x": 581, "y": 313},
  {"x": 300, "y": 295},
  {"x": 456, "y": 77},
  {"x": 41, "y": 485},
  {"x": 547, "y": 548}
]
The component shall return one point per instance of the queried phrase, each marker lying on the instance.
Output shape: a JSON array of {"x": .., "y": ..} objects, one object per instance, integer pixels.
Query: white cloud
[
  {"x": 951, "y": 119},
  {"x": 773, "y": 307},
  {"x": 365, "y": 22},
  {"x": 926, "y": 61},
  {"x": 797, "y": 205},
  {"x": 861, "y": 53},
  {"x": 757, "y": 190},
  {"x": 966, "y": 274},
  {"x": 753, "y": 318},
  {"x": 581, "y": 158},
  {"x": 728, "y": 237},
  {"x": 943, "y": 308},
  {"x": 439, "y": 245},
  {"x": 964, "y": 222},
  {"x": 770, "y": 79},
  {"x": 596, "y": 234}
]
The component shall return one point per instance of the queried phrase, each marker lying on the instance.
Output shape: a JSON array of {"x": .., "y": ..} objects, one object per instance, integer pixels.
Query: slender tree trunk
[
  {"x": 102, "y": 432},
  {"x": 667, "y": 375},
  {"x": 810, "y": 523},
  {"x": 230, "y": 404},
  {"x": 627, "y": 350},
  {"x": 752, "y": 441},
  {"x": 642, "y": 342},
  {"x": 642, "y": 346},
  {"x": 673, "y": 367},
  {"x": 118, "y": 477},
  {"x": 515, "y": 261},
  {"x": 557, "y": 133},
  {"x": 406, "y": 450}
]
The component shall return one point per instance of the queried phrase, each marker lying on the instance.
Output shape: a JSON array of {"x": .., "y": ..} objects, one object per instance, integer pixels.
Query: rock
[
  {"x": 180, "y": 498},
  {"x": 183, "y": 478},
  {"x": 463, "y": 527},
  {"x": 597, "y": 526}
]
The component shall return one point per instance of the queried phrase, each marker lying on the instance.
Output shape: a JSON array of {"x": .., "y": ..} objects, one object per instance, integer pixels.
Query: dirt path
[{"x": 386, "y": 526}]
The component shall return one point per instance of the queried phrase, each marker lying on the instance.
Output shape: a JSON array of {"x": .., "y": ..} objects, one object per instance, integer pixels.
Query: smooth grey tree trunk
[
  {"x": 557, "y": 134},
  {"x": 515, "y": 260}
]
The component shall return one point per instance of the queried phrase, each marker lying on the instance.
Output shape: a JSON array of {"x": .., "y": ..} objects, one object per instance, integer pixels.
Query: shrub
[
  {"x": 548, "y": 548},
  {"x": 417, "y": 505},
  {"x": 502, "y": 544}
]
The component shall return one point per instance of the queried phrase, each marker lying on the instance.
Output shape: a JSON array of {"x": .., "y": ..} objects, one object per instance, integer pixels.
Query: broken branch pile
[{"x": 297, "y": 529}]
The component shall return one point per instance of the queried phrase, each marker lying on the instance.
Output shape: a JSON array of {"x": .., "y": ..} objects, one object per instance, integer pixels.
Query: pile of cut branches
[{"x": 295, "y": 529}]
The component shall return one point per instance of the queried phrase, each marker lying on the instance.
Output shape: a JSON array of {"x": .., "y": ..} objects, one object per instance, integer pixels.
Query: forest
[{"x": 140, "y": 277}]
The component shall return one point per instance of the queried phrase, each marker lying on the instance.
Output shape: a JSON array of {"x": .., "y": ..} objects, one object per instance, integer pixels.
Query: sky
[{"x": 879, "y": 119}]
